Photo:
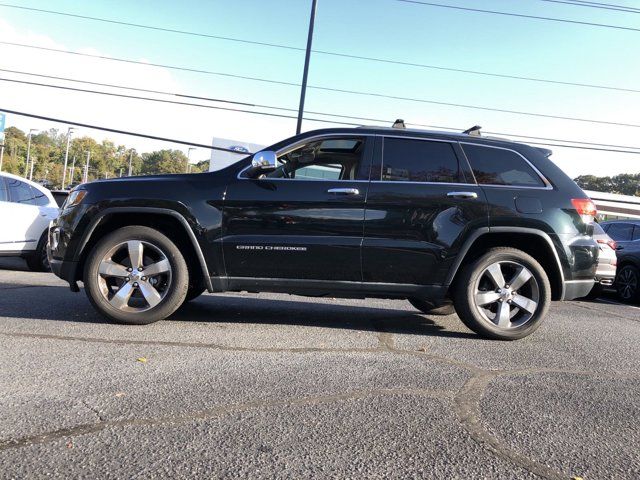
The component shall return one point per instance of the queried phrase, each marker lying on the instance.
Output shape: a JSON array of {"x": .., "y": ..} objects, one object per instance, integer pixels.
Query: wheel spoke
[
  {"x": 157, "y": 268},
  {"x": 109, "y": 268},
  {"x": 520, "y": 278},
  {"x": 121, "y": 299},
  {"x": 135, "y": 248},
  {"x": 485, "y": 298},
  {"x": 503, "y": 315},
  {"x": 525, "y": 303},
  {"x": 149, "y": 293},
  {"x": 495, "y": 273}
]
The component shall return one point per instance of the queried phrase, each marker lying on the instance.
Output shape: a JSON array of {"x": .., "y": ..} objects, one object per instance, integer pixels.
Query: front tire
[
  {"x": 38, "y": 261},
  {"x": 136, "y": 275},
  {"x": 503, "y": 295}
]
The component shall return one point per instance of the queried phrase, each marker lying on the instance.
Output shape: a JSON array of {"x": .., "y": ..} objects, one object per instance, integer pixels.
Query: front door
[
  {"x": 421, "y": 203},
  {"x": 305, "y": 219}
]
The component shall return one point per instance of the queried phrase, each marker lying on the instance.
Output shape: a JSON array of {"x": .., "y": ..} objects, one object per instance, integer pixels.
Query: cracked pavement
[{"x": 263, "y": 386}]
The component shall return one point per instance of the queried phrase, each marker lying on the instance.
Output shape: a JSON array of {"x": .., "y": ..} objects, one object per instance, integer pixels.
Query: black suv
[
  {"x": 626, "y": 234},
  {"x": 492, "y": 226}
]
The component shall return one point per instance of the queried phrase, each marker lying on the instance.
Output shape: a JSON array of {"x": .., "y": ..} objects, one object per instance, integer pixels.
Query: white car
[{"x": 26, "y": 209}]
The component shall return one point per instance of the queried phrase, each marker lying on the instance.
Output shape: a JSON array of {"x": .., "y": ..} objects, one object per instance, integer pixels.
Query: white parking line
[{"x": 612, "y": 302}]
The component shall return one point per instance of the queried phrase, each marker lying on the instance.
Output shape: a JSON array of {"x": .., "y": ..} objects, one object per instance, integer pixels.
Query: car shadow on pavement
[{"x": 57, "y": 303}]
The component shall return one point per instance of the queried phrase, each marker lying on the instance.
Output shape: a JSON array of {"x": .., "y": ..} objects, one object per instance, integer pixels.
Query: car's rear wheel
[
  {"x": 628, "y": 283},
  {"x": 38, "y": 261},
  {"x": 505, "y": 294},
  {"x": 429, "y": 309},
  {"x": 136, "y": 275}
]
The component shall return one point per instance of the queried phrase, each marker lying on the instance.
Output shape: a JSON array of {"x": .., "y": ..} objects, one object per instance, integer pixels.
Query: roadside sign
[{"x": 2, "y": 117}]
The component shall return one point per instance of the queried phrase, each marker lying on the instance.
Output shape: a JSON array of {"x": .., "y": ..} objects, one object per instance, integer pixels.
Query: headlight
[{"x": 74, "y": 198}]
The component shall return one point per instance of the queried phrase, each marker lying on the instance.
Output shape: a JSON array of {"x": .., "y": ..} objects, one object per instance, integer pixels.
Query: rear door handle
[
  {"x": 462, "y": 194},
  {"x": 344, "y": 191}
]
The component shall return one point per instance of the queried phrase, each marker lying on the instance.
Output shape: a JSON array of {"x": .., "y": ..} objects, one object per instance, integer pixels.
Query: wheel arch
[
  {"x": 169, "y": 222},
  {"x": 534, "y": 242}
]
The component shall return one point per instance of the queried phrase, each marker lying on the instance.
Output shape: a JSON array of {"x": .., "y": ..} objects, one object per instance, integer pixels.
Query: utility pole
[
  {"x": 66, "y": 157},
  {"x": 130, "y": 158},
  {"x": 86, "y": 167},
  {"x": 26, "y": 167},
  {"x": 73, "y": 170},
  {"x": 188, "y": 169},
  {"x": 1, "y": 155},
  {"x": 307, "y": 57}
]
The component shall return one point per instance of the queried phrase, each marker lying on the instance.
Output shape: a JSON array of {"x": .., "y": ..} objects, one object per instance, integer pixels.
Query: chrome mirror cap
[{"x": 265, "y": 159}]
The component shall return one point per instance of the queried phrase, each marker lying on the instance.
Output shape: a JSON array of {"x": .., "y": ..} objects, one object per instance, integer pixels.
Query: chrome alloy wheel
[
  {"x": 134, "y": 276},
  {"x": 627, "y": 283},
  {"x": 506, "y": 303}
]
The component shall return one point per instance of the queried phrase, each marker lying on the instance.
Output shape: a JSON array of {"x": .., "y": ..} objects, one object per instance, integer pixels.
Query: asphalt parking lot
[{"x": 263, "y": 386}]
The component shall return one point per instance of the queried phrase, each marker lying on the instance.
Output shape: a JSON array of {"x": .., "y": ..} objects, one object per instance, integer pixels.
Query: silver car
[{"x": 607, "y": 261}]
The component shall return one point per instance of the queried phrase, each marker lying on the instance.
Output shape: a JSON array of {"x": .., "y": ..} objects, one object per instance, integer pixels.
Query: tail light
[
  {"x": 585, "y": 208},
  {"x": 611, "y": 243}
]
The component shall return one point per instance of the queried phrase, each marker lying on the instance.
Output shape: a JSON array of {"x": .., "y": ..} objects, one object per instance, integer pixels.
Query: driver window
[{"x": 327, "y": 159}]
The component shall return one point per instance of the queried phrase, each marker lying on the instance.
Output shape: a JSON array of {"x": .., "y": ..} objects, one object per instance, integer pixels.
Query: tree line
[
  {"x": 106, "y": 159},
  {"x": 624, "y": 184}
]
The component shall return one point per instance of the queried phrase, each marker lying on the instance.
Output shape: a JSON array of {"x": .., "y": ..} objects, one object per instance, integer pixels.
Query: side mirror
[{"x": 262, "y": 162}]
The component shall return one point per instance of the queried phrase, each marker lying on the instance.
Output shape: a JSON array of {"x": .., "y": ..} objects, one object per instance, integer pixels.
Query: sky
[{"x": 386, "y": 29}]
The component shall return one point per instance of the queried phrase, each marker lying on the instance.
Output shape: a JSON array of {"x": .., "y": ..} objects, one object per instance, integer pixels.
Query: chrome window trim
[
  {"x": 424, "y": 139},
  {"x": 293, "y": 146},
  {"x": 547, "y": 183}
]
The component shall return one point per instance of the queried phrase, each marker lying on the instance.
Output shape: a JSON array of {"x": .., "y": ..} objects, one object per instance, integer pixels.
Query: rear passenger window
[
  {"x": 496, "y": 166},
  {"x": 636, "y": 233},
  {"x": 39, "y": 197},
  {"x": 407, "y": 160},
  {"x": 20, "y": 192},
  {"x": 4, "y": 195},
  {"x": 620, "y": 232}
]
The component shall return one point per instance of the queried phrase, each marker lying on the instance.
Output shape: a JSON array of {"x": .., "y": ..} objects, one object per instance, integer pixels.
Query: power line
[
  {"x": 257, "y": 105},
  {"x": 521, "y": 15},
  {"x": 183, "y": 142},
  {"x": 603, "y": 6},
  {"x": 330, "y": 53},
  {"x": 332, "y": 89}
]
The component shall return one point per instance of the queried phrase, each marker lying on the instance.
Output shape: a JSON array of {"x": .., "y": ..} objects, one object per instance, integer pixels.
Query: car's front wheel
[
  {"x": 136, "y": 275},
  {"x": 628, "y": 283},
  {"x": 505, "y": 294}
]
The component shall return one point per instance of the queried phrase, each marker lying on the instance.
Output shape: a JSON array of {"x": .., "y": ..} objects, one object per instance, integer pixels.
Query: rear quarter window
[
  {"x": 620, "y": 232},
  {"x": 497, "y": 166}
]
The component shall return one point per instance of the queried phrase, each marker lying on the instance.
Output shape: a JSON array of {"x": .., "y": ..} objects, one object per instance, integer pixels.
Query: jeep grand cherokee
[{"x": 491, "y": 226}]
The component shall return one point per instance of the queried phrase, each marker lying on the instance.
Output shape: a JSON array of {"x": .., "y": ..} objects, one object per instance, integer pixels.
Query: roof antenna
[
  {"x": 473, "y": 131},
  {"x": 399, "y": 123}
]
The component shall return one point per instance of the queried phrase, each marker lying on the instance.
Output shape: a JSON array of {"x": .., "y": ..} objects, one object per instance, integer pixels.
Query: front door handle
[
  {"x": 462, "y": 194},
  {"x": 344, "y": 191}
]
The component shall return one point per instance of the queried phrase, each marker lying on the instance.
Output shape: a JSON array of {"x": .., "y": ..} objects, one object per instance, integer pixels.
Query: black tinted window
[
  {"x": 419, "y": 161},
  {"x": 494, "y": 166},
  {"x": 4, "y": 195},
  {"x": 620, "y": 232},
  {"x": 636, "y": 233},
  {"x": 20, "y": 192}
]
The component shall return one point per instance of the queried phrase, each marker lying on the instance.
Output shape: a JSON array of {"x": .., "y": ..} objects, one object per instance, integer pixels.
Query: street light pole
[
  {"x": 130, "y": 158},
  {"x": 33, "y": 160},
  {"x": 66, "y": 157},
  {"x": 189, "y": 159},
  {"x": 86, "y": 167},
  {"x": 73, "y": 170},
  {"x": 1, "y": 155},
  {"x": 307, "y": 57},
  {"x": 26, "y": 167}
]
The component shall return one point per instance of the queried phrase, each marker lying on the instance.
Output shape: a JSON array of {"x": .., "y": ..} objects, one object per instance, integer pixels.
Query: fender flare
[
  {"x": 160, "y": 211},
  {"x": 486, "y": 230}
]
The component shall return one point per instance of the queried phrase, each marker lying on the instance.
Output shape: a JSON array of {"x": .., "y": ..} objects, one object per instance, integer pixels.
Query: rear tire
[
  {"x": 136, "y": 275},
  {"x": 429, "y": 309},
  {"x": 503, "y": 295},
  {"x": 628, "y": 283},
  {"x": 38, "y": 261}
]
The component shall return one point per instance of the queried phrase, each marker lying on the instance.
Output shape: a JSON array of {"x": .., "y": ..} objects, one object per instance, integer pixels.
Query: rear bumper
[
  {"x": 577, "y": 289},
  {"x": 605, "y": 274}
]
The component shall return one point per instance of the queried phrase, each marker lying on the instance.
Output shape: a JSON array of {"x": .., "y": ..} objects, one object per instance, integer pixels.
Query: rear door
[
  {"x": 305, "y": 220},
  {"x": 422, "y": 203}
]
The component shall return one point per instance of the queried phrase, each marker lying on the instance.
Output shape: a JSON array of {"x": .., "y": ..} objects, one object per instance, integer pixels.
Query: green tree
[{"x": 164, "y": 161}]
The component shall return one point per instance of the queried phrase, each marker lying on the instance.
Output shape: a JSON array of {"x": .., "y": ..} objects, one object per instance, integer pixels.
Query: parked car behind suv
[
  {"x": 26, "y": 209},
  {"x": 626, "y": 233},
  {"x": 491, "y": 225}
]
